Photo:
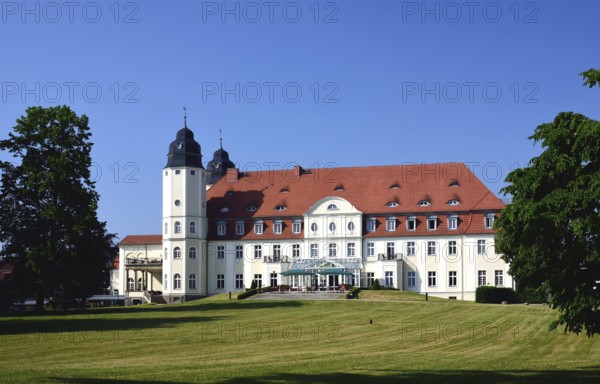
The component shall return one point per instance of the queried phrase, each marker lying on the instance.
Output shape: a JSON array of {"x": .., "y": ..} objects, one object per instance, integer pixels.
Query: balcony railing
[
  {"x": 387, "y": 257},
  {"x": 143, "y": 262},
  {"x": 276, "y": 259}
]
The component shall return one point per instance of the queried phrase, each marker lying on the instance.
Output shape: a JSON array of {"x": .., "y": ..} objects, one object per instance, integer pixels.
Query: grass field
[{"x": 255, "y": 341}]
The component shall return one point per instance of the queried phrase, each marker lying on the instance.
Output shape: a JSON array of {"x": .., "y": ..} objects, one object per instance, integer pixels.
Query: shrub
[
  {"x": 376, "y": 285},
  {"x": 495, "y": 295},
  {"x": 532, "y": 295},
  {"x": 253, "y": 285},
  {"x": 353, "y": 293}
]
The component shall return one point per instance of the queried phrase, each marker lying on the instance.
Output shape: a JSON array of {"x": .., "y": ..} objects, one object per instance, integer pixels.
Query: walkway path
[{"x": 300, "y": 296}]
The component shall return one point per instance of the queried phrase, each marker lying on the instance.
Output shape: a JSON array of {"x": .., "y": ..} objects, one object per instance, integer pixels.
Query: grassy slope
[{"x": 310, "y": 341}]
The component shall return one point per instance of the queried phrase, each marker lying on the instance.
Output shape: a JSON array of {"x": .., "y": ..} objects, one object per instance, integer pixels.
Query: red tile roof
[
  {"x": 141, "y": 239},
  {"x": 369, "y": 189}
]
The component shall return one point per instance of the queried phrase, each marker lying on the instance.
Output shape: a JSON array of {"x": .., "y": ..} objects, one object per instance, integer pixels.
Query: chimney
[
  {"x": 232, "y": 175},
  {"x": 297, "y": 171}
]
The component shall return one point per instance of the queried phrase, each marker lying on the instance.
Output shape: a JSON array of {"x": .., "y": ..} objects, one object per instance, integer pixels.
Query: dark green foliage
[
  {"x": 48, "y": 223},
  {"x": 376, "y": 285},
  {"x": 550, "y": 233},
  {"x": 353, "y": 293},
  {"x": 253, "y": 285},
  {"x": 495, "y": 295},
  {"x": 253, "y": 291},
  {"x": 591, "y": 77},
  {"x": 532, "y": 295}
]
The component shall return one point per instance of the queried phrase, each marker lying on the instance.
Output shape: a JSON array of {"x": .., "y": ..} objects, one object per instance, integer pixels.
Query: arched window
[
  {"x": 177, "y": 227},
  {"x": 192, "y": 281},
  {"x": 193, "y": 227},
  {"x": 130, "y": 284},
  {"x": 165, "y": 281},
  {"x": 332, "y": 226},
  {"x": 177, "y": 281},
  {"x": 166, "y": 228},
  {"x": 140, "y": 286},
  {"x": 332, "y": 207},
  {"x": 192, "y": 253},
  {"x": 351, "y": 226},
  {"x": 177, "y": 253},
  {"x": 166, "y": 253},
  {"x": 314, "y": 227}
]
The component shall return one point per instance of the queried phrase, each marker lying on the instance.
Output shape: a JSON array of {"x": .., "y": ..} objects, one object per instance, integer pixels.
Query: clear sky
[{"x": 317, "y": 83}]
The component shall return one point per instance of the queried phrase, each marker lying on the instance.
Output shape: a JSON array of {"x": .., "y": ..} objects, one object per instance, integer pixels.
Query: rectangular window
[
  {"x": 391, "y": 249},
  {"x": 221, "y": 229},
  {"x": 452, "y": 222},
  {"x": 370, "y": 249},
  {"x": 239, "y": 251},
  {"x": 258, "y": 251},
  {"x": 489, "y": 220},
  {"x": 351, "y": 250},
  {"x": 239, "y": 228},
  {"x": 297, "y": 226},
  {"x": 452, "y": 281},
  {"x": 432, "y": 223},
  {"x": 481, "y": 247},
  {"x": 296, "y": 250},
  {"x": 391, "y": 224},
  {"x": 452, "y": 247},
  {"x": 370, "y": 278},
  {"x": 410, "y": 248},
  {"x": 431, "y": 279},
  {"x": 258, "y": 280},
  {"x": 276, "y": 252},
  {"x": 220, "y": 252},
  {"x": 389, "y": 279},
  {"x": 258, "y": 228},
  {"x": 412, "y": 279},
  {"x": 273, "y": 279},
  {"x": 193, "y": 173},
  {"x": 277, "y": 227},
  {"x": 431, "y": 248},
  {"x": 411, "y": 223},
  {"x": 481, "y": 278},
  {"x": 220, "y": 281},
  {"x": 314, "y": 250},
  {"x": 499, "y": 278},
  {"x": 332, "y": 250},
  {"x": 239, "y": 281},
  {"x": 371, "y": 225}
]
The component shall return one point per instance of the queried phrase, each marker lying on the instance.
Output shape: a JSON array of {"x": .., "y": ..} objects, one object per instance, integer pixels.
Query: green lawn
[{"x": 276, "y": 341}]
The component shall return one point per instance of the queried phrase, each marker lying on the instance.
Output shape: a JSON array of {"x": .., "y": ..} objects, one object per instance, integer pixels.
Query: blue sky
[{"x": 317, "y": 83}]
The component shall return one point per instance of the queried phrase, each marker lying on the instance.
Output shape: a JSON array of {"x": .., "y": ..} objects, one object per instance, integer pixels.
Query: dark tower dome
[
  {"x": 184, "y": 151},
  {"x": 218, "y": 166}
]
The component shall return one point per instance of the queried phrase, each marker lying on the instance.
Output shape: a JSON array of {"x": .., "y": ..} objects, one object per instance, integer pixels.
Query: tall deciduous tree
[
  {"x": 49, "y": 229},
  {"x": 550, "y": 233}
]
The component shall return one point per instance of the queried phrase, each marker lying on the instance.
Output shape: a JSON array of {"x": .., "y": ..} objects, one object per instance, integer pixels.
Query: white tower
[{"x": 185, "y": 225}]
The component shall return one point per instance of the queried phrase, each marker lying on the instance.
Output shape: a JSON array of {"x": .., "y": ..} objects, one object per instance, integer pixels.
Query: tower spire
[
  {"x": 184, "y": 116},
  {"x": 221, "y": 138}
]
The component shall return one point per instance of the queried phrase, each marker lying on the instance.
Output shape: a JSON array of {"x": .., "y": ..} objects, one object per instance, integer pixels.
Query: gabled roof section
[
  {"x": 366, "y": 188},
  {"x": 141, "y": 239}
]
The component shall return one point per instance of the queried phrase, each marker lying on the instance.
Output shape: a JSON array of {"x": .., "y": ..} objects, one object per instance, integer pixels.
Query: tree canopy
[
  {"x": 48, "y": 223},
  {"x": 550, "y": 233}
]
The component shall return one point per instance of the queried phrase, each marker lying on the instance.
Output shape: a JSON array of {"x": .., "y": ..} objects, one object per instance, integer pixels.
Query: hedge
[
  {"x": 495, "y": 295},
  {"x": 252, "y": 292}
]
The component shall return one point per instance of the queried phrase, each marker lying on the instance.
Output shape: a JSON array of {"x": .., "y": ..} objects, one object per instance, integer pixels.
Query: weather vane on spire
[
  {"x": 184, "y": 116},
  {"x": 221, "y": 138}
]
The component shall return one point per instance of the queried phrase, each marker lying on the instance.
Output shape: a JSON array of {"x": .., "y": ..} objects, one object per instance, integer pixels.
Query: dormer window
[
  {"x": 489, "y": 220},
  {"x": 432, "y": 222},
  {"x": 424, "y": 203},
  {"x": 239, "y": 228},
  {"x": 453, "y": 202},
  {"x": 454, "y": 183},
  {"x": 280, "y": 207},
  {"x": 392, "y": 204},
  {"x": 452, "y": 222},
  {"x": 395, "y": 186},
  {"x": 297, "y": 226},
  {"x": 229, "y": 193},
  {"x": 371, "y": 224},
  {"x": 251, "y": 208},
  {"x": 332, "y": 207},
  {"x": 411, "y": 223},
  {"x": 277, "y": 227},
  {"x": 221, "y": 228},
  {"x": 284, "y": 190},
  {"x": 224, "y": 209},
  {"x": 258, "y": 227},
  {"x": 391, "y": 224},
  {"x": 338, "y": 188}
]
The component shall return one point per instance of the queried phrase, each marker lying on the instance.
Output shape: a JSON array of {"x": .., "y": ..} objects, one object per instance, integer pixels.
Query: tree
[
  {"x": 48, "y": 223},
  {"x": 550, "y": 233}
]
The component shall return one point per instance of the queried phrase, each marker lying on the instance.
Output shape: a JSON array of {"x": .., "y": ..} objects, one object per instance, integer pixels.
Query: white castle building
[{"x": 425, "y": 228}]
